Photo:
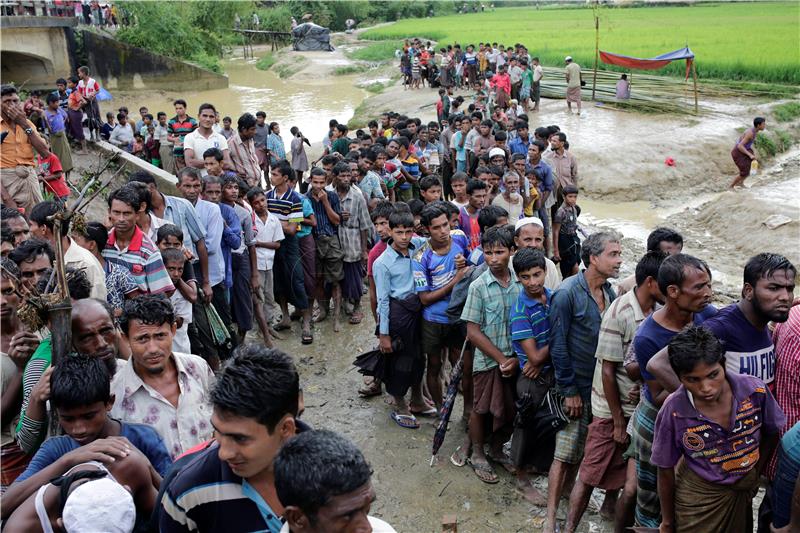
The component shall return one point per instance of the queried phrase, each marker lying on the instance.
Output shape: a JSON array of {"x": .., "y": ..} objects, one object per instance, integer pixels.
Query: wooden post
[
  {"x": 59, "y": 313},
  {"x": 694, "y": 75},
  {"x": 596, "y": 47}
]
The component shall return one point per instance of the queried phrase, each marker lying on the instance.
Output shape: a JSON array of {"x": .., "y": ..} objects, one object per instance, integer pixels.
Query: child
[
  {"x": 108, "y": 126},
  {"x": 51, "y": 174},
  {"x": 724, "y": 426},
  {"x": 530, "y": 326},
  {"x": 566, "y": 244},
  {"x": 226, "y": 130},
  {"x": 468, "y": 218},
  {"x": 137, "y": 147},
  {"x": 56, "y": 119},
  {"x": 182, "y": 299},
  {"x": 430, "y": 189},
  {"x": 458, "y": 147},
  {"x": 399, "y": 310},
  {"x": 80, "y": 393},
  {"x": 269, "y": 234},
  {"x": 489, "y": 217},
  {"x": 458, "y": 182},
  {"x": 416, "y": 206},
  {"x": 486, "y": 312},
  {"x": 509, "y": 199}
]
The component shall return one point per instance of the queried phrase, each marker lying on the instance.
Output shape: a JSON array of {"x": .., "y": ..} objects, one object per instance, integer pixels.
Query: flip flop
[
  {"x": 484, "y": 468},
  {"x": 281, "y": 327},
  {"x": 307, "y": 337},
  {"x": 405, "y": 421},
  {"x": 459, "y": 458},
  {"x": 430, "y": 411},
  {"x": 356, "y": 317}
]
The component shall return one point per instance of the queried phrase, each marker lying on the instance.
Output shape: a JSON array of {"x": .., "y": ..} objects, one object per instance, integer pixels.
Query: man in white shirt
[
  {"x": 204, "y": 137},
  {"x": 538, "y": 73},
  {"x": 161, "y": 134}
]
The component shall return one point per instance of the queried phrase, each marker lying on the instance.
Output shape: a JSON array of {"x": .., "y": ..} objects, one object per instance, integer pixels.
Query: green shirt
[
  {"x": 341, "y": 145},
  {"x": 31, "y": 433},
  {"x": 489, "y": 305}
]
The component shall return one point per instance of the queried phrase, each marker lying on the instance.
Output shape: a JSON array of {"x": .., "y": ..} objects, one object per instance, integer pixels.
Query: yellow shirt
[
  {"x": 16, "y": 148},
  {"x": 533, "y": 192}
]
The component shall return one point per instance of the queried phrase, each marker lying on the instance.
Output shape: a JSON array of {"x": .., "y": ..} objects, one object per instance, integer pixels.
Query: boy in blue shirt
[
  {"x": 437, "y": 268},
  {"x": 530, "y": 327},
  {"x": 80, "y": 392}
]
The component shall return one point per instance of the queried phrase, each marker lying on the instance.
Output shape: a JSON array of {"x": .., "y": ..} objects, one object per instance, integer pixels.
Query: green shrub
[
  {"x": 375, "y": 87},
  {"x": 350, "y": 69},
  {"x": 376, "y": 52},
  {"x": 266, "y": 61},
  {"x": 786, "y": 112},
  {"x": 765, "y": 145}
]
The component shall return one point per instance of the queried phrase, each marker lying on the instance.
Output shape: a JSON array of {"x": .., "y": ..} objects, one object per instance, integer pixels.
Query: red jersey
[{"x": 47, "y": 167}]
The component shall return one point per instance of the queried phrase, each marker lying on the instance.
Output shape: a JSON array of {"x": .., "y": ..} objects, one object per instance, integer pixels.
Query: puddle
[{"x": 306, "y": 104}]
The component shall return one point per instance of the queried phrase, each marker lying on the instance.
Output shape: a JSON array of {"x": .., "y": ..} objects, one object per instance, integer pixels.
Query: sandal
[
  {"x": 281, "y": 326},
  {"x": 429, "y": 411},
  {"x": 405, "y": 421},
  {"x": 356, "y": 317},
  {"x": 484, "y": 472},
  {"x": 307, "y": 337},
  {"x": 370, "y": 391},
  {"x": 459, "y": 458}
]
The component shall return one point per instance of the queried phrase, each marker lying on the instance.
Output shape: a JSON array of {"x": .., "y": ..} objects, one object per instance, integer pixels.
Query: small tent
[{"x": 311, "y": 37}]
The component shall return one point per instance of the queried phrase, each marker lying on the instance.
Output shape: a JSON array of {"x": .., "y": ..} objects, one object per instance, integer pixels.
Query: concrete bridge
[{"x": 35, "y": 51}]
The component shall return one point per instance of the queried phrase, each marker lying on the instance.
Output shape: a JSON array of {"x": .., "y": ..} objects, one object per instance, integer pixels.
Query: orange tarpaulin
[{"x": 650, "y": 63}]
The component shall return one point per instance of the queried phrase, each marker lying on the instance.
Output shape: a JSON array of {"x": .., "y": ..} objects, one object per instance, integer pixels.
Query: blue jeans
[{"x": 782, "y": 488}]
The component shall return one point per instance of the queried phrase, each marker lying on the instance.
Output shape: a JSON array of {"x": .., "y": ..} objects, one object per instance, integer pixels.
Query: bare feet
[{"x": 532, "y": 494}]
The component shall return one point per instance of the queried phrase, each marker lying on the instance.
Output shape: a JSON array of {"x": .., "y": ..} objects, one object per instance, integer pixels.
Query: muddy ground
[{"x": 625, "y": 185}]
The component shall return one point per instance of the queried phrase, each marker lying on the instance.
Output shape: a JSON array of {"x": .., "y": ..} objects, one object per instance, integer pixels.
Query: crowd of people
[
  {"x": 89, "y": 12},
  {"x": 463, "y": 235}
]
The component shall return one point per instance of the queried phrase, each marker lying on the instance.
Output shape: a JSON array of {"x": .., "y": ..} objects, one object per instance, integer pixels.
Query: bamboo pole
[
  {"x": 694, "y": 75},
  {"x": 596, "y": 48}
]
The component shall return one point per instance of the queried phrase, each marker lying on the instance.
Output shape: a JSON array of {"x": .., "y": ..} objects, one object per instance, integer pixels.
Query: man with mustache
[{"x": 158, "y": 387}]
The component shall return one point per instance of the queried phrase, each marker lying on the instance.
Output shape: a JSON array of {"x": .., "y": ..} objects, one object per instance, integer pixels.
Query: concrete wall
[
  {"x": 117, "y": 65},
  {"x": 36, "y": 50}
]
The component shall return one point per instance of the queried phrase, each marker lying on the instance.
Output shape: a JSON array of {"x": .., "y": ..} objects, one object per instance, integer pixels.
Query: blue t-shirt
[
  {"x": 748, "y": 350},
  {"x": 652, "y": 336},
  {"x": 308, "y": 210},
  {"x": 145, "y": 438},
  {"x": 433, "y": 271},
  {"x": 530, "y": 320}
]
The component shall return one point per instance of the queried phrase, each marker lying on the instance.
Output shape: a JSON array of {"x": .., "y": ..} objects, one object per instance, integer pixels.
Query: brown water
[{"x": 307, "y": 104}]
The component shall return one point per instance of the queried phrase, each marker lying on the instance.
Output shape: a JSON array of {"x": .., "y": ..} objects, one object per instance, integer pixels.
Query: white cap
[
  {"x": 568, "y": 58},
  {"x": 99, "y": 506},
  {"x": 496, "y": 151},
  {"x": 528, "y": 220}
]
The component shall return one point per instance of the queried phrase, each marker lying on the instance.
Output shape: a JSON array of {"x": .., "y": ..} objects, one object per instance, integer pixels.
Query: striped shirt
[
  {"x": 276, "y": 149},
  {"x": 617, "y": 329},
  {"x": 30, "y": 433},
  {"x": 787, "y": 379},
  {"x": 180, "y": 129},
  {"x": 142, "y": 259},
  {"x": 288, "y": 207},
  {"x": 244, "y": 158},
  {"x": 530, "y": 320},
  {"x": 324, "y": 225}
]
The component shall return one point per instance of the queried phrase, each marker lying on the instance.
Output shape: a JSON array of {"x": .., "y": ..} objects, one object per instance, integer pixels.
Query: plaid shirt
[
  {"x": 244, "y": 158},
  {"x": 489, "y": 305},
  {"x": 617, "y": 329},
  {"x": 142, "y": 259},
  {"x": 787, "y": 379},
  {"x": 350, "y": 230}
]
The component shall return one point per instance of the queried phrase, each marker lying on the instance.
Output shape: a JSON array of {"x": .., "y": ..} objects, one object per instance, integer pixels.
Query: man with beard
[
  {"x": 529, "y": 233},
  {"x": 158, "y": 387},
  {"x": 93, "y": 332},
  {"x": 767, "y": 295}
]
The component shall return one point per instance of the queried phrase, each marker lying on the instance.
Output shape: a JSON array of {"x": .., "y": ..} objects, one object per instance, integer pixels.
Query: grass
[
  {"x": 266, "y": 61},
  {"x": 376, "y": 52},
  {"x": 754, "y": 41},
  {"x": 287, "y": 70},
  {"x": 786, "y": 112},
  {"x": 773, "y": 142},
  {"x": 375, "y": 87},
  {"x": 350, "y": 69}
]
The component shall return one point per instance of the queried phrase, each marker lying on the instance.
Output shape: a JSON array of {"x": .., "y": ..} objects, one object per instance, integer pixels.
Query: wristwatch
[{"x": 28, "y": 131}]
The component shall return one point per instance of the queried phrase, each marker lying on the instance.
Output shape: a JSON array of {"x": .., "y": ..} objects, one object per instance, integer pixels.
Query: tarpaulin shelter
[
  {"x": 309, "y": 36},
  {"x": 655, "y": 62}
]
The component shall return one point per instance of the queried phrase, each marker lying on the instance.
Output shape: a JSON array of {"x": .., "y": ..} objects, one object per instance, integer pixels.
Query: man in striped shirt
[
  {"x": 242, "y": 149},
  {"x": 287, "y": 205},
  {"x": 178, "y": 128},
  {"x": 130, "y": 248}
]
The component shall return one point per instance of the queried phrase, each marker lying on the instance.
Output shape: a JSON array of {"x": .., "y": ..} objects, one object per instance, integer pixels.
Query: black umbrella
[
  {"x": 371, "y": 363},
  {"x": 447, "y": 404}
]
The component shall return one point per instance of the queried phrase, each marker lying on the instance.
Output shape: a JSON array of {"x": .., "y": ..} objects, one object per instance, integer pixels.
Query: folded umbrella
[{"x": 447, "y": 404}]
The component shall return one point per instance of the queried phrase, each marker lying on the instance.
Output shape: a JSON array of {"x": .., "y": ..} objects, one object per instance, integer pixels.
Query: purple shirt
[{"x": 716, "y": 454}]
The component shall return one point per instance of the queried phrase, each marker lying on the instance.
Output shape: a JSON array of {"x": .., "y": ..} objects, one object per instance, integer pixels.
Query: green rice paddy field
[{"x": 756, "y": 41}]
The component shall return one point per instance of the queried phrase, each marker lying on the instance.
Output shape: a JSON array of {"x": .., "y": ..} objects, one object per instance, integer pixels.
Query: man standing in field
[{"x": 573, "y": 75}]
